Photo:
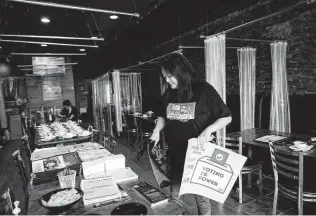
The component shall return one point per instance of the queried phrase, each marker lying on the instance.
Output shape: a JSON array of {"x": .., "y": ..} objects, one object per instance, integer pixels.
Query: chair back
[
  {"x": 21, "y": 166},
  {"x": 95, "y": 136},
  {"x": 234, "y": 144},
  {"x": 6, "y": 202},
  {"x": 26, "y": 146},
  {"x": 110, "y": 144},
  {"x": 22, "y": 170},
  {"x": 287, "y": 169}
]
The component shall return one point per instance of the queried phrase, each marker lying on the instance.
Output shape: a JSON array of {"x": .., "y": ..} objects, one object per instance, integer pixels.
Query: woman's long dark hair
[{"x": 180, "y": 68}]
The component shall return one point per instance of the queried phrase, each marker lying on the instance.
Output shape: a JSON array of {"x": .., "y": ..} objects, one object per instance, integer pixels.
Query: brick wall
[{"x": 297, "y": 27}]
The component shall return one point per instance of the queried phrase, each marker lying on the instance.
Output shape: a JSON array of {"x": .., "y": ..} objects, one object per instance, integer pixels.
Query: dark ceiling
[{"x": 126, "y": 37}]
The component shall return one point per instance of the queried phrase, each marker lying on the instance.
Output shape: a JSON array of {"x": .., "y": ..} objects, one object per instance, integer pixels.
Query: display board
[{"x": 48, "y": 65}]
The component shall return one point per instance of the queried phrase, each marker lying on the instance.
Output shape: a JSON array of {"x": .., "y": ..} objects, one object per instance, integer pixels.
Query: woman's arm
[
  {"x": 220, "y": 123},
  {"x": 156, "y": 132}
]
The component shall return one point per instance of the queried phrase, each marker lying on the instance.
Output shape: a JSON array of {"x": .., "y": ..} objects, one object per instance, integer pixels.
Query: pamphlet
[
  {"x": 47, "y": 164},
  {"x": 272, "y": 138}
]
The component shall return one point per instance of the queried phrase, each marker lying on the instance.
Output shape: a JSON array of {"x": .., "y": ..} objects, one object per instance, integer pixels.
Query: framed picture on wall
[{"x": 51, "y": 88}]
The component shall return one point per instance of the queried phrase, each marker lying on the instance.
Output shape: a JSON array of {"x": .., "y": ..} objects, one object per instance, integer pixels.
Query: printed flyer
[{"x": 211, "y": 171}]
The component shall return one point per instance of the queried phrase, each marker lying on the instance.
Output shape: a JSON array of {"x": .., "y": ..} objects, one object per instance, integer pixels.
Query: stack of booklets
[
  {"x": 100, "y": 190},
  {"x": 151, "y": 195}
]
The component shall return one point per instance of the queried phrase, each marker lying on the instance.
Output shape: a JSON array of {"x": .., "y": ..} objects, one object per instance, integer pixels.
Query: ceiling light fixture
[
  {"x": 45, "y": 20},
  {"x": 44, "y": 45},
  {"x": 82, "y": 50},
  {"x": 94, "y": 37},
  {"x": 114, "y": 17}
]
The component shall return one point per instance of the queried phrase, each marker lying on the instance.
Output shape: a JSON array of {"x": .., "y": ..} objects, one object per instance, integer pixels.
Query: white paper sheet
[{"x": 211, "y": 172}]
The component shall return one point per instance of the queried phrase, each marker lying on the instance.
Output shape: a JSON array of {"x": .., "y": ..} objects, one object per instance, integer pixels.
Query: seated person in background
[{"x": 69, "y": 111}]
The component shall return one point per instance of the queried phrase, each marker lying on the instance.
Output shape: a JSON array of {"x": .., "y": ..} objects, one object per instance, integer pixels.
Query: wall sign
[
  {"x": 48, "y": 65},
  {"x": 51, "y": 88}
]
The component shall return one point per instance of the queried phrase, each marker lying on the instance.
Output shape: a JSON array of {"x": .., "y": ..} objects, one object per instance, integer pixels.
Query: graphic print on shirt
[{"x": 181, "y": 111}]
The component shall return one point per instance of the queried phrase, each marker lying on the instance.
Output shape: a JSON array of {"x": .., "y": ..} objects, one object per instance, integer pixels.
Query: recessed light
[
  {"x": 44, "y": 45},
  {"x": 114, "y": 17},
  {"x": 82, "y": 50},
  {"x": 45, "y": 20},
  {"x": 94, "y": 37}
]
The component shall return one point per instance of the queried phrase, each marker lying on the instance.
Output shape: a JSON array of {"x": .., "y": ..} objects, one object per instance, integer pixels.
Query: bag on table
[{"x": 160, "y": 163}]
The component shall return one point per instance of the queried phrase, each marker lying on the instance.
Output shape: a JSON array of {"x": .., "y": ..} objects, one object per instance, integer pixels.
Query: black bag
[{"x": 160, "y": 164}]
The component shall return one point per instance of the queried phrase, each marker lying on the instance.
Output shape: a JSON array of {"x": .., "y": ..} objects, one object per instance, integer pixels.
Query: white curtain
[
  {"x": 280, "y": 118},
  {"x": 117, "y": 100},
  {"x": 215, "y": 67},
  {"x": 3, "y": 115},
  {"x": 247, "y": 80},
  {"x": 131, "y": 92}
]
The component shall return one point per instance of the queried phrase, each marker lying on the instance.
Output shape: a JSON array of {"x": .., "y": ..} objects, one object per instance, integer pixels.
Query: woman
[
  {"x": 69, "y": 111},
  {"x": 189, "y": 109}
]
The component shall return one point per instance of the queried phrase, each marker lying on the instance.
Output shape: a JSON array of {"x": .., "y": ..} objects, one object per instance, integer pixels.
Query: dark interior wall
[{"x": 297, "y": 27}]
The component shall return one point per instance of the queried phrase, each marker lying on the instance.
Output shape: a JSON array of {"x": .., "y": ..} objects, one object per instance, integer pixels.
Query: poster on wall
[
  {"x": 51, "y": 88},
  {"x": 48, "y": 65}
]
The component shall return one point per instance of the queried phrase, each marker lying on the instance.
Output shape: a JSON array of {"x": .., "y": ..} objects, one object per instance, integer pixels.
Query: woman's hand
[
  {"x": 155, "y": 136},
  {"x": 204, "y": 137}
]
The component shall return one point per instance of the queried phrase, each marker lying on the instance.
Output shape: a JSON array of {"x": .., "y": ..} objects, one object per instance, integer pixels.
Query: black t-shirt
[
  {"x": 74, "y": 112},
  {"x": 188, "y": 120}
]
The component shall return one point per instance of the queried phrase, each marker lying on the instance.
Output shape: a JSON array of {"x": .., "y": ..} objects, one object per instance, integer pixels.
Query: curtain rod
[
  {"x": 263, "y": 18},
  {"x": 202, "y": 47},
  {"x": 49, "y": 43},
  {"x": 74, "y": 7},
  {"x": 22, "y": 66},
  {"x": 142, "y": 63},
  {"x": 245, "y": 39},
  {"x": 31, "y": 69},
  {"x": 51, "y": 37},
  {"x": 50, "y": 54}
]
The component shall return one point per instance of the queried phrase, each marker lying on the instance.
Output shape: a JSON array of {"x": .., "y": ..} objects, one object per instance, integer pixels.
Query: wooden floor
[{"x": 252, "y": 203}]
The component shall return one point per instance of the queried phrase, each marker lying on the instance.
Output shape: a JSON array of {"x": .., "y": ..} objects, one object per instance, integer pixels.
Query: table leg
[{"x": 249, "y": 175}]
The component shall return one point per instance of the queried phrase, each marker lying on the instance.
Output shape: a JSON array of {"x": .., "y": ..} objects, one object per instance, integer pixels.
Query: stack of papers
[
  {"x": 92, "y": 155},
  {"x": 272, "y": 138},
  {"x": 100, "y": 190},
  {"x": 40, "y": 154},
  {"x": 122, "y": 175},
  {"x": 100, "y": 167}
]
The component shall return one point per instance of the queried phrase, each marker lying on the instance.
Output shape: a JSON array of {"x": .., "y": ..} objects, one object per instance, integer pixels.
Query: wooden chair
[
  {"x": 109, "y": 143},
  {"x": 27, "y": 148},
  {"x": 131, "y": 129},
  {"x": 236, "y": 145},
  {"x": 22, "y": 170},
  {"x": 288, "y": 170},
  {"x": 6, "y": 201}
]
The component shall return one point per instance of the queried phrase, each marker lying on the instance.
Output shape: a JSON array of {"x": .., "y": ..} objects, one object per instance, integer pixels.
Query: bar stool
[{"x": 236, "y": 145}]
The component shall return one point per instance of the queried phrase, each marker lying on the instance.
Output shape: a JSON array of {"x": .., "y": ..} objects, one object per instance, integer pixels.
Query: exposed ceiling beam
[
  {"x": 74, "y": 7},
  {"x": 49, "y": 54},
  {"x": 48, "y": 43},
  {"x": 51, "y": 37},
  {"x": 23, "y": 66}
]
